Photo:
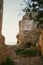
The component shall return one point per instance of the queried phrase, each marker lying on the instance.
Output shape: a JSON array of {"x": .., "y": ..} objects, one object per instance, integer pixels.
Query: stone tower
[
  {"x": 27, "y": 25},
  {"x": 2, "y": 39},
  {"x": 1, "y": 14}
]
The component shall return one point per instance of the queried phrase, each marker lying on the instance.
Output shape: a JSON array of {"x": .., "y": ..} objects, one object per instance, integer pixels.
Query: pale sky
[{"x": 11, "y": 18}]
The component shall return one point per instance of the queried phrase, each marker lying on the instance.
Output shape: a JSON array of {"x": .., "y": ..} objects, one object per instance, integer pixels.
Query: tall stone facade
[
  {"x": 1, "y": 15},
  {"x": 27, "y": 27},
  {"x": 2, "y": 39},
  {"x": 30, "y": 31}
]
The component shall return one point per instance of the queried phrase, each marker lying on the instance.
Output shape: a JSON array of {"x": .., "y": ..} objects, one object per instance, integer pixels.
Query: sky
[{"x": 12, "y": 14}]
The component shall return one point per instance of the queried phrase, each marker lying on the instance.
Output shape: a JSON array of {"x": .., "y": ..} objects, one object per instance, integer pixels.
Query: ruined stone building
[
  {"x": 30, "y": 31},
  {"x": 27, "y": 26}
]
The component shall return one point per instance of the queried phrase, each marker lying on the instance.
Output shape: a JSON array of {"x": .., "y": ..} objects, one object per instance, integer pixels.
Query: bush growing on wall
[{"x": 29, "y": 53}]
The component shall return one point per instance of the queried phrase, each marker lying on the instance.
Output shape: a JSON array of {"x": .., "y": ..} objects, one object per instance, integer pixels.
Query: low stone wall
[
  {"x": 23, "y": 60},
  {"x": 29, "y": 61}
]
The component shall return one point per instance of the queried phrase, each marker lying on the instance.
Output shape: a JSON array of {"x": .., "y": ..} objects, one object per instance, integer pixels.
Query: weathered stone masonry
[{"x": 2, "y": 39}]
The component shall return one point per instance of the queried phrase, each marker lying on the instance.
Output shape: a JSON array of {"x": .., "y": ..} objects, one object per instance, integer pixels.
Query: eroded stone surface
[
  {"x": 30, "y": 31},
  {"x": 2, "y": 39}
]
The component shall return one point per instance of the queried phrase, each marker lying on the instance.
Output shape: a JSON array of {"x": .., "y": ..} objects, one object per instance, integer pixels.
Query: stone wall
[
  {"x": 27, "y": 25},
  {"x": 29, "y": 61},
  {"x": 40, "y": 42},
  {"x": 2, "y": 39}
]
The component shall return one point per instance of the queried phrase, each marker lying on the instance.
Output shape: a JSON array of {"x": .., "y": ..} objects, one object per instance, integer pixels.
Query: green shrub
[{"x": 28, "y": 53}]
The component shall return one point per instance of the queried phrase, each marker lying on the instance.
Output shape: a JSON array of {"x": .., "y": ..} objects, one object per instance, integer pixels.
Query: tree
[
  {"x": 40, "y": 15},
  {"x": 35, "y": 5},
  {"x": 39, "y": 1}
]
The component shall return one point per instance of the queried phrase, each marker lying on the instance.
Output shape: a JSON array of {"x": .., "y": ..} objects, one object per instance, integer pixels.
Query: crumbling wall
[{"x": 2, "y": 38}]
